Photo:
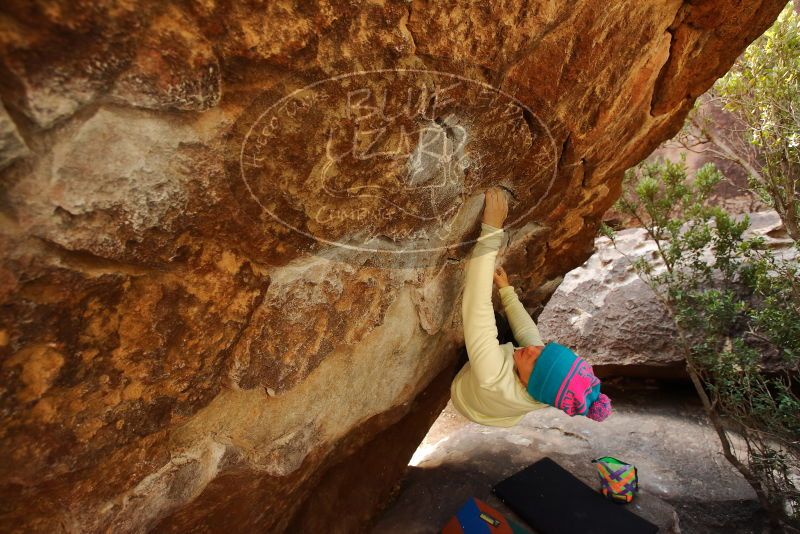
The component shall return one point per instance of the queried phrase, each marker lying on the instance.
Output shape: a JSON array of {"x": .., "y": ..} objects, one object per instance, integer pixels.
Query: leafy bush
[
  {"x": 733, "y": 302},
  {"x": 762, "y": 93}
]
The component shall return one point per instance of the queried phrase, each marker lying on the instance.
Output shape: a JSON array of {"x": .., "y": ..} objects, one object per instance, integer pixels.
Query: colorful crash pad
[{"x": 477, "y": 517}]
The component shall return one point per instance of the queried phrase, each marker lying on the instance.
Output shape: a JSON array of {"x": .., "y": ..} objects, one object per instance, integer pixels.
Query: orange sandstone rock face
[{"x": 233, "y": 233}]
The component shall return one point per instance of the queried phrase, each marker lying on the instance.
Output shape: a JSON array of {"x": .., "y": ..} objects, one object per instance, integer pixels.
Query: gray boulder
[{"x": 609, "y": 316}]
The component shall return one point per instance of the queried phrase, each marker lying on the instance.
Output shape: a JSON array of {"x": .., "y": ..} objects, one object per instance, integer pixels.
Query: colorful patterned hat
[{"x": 561, "y": 379}]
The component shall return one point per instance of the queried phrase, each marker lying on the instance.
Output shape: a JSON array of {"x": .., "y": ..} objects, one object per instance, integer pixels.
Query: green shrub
[
  {"x": 762, "y": 90},
  {"x": 733, "y": 302}
]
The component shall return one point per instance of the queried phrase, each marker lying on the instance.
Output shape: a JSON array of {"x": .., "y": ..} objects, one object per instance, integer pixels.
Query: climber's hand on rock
[
  {"x": 495, "y": 209},
  {"x": 501, "y": 278}
]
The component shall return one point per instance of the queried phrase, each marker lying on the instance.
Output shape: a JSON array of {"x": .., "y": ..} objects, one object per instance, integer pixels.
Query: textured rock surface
[
  {"x": 186, "y": 342},
  {"x": 611, "y": 317},
  {"x": 11, "y": 144}
]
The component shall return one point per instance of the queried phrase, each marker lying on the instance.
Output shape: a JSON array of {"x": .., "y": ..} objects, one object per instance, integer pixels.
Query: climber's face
[{"x": 524, "y": 360}]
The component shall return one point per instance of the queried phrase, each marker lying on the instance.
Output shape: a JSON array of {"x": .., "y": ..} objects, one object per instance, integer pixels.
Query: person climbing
[{"x": 501, "y": 383}]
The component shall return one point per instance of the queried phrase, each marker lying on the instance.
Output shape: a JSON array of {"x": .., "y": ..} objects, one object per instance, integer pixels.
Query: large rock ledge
[{"x": 174, "y": 355}]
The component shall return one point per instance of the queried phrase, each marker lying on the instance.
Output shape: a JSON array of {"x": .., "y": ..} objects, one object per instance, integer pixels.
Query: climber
[{"x": 501, "y": 383}]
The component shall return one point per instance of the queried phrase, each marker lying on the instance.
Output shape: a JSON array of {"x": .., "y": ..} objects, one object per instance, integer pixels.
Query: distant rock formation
[{"x": 233, "y": 233}]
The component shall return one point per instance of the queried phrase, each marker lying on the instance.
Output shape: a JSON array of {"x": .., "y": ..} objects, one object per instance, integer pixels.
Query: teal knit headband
[{"x": 551, "y": 367}]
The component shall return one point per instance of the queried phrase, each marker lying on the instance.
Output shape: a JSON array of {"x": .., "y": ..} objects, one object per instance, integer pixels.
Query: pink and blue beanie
[{"x": 561, "y": 379}]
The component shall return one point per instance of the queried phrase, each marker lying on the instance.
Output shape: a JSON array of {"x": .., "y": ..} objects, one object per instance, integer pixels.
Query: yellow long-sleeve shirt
[{"x": 487, "y": 390}]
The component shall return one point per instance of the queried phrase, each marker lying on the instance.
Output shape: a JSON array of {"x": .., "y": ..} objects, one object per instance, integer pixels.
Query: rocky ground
[{"x": 686, "y": 484}]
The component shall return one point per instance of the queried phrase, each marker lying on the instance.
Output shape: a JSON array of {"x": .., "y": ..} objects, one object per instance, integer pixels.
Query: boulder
[
  {"x": 234, "y": 249},
  {"x": 610, "y": 316}
]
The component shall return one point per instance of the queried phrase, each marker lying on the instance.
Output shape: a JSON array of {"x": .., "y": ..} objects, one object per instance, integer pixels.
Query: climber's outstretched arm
[{"x": 480, "y": 330}]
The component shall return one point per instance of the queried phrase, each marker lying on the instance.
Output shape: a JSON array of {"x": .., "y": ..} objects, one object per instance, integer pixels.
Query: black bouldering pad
[{"x": 551, "y": 500}]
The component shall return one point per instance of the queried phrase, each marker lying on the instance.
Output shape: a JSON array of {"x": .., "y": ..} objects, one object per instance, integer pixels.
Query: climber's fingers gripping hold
[
  {"x": 495, "y": 209},
  {"x": 500, "y": 278}
]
